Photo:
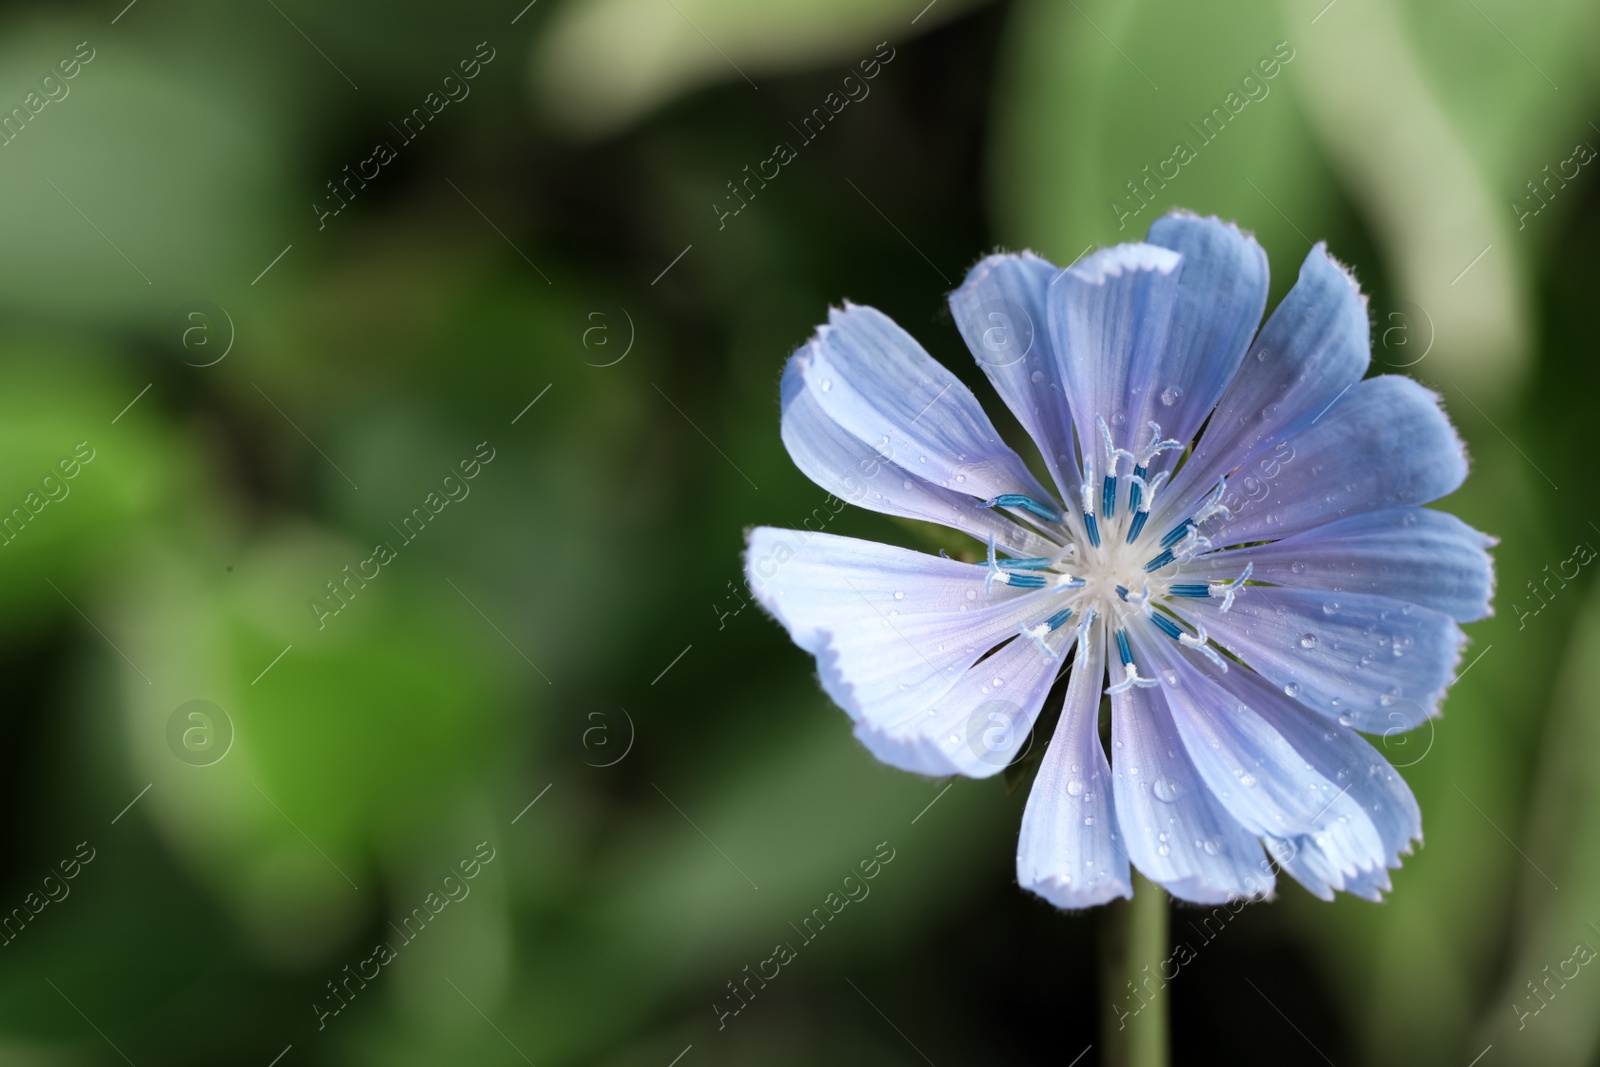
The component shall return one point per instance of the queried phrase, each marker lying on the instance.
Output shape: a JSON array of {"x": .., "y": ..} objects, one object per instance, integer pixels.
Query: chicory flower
[{"x": 1235, "y": 551}]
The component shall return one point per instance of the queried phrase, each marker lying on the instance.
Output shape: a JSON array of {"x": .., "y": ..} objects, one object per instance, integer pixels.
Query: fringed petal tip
[
  {"x": 1183, "y": 214},
  {"x": 1204, "y": 893},
  {"x": 1068, "y": 896},
  {"x": 987, "y": 264},
  {"x": 1343, "y": 268},
  {"x": 1097, "y": 268}
]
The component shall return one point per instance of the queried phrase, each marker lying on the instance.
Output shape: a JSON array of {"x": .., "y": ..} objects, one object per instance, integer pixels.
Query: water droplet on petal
[
  {"x": 899, "y": 595},
  {"x": 1164, "y": 850},
  {"x": 1292, "y": 689},
  {"x": 1165, "y": 790},
  {"x": 1308, "y": 640},
  {"x": 1170, "y": 395},
  {"x": 1247, "y": 780},
  {"x": 1330, "y": 608},
  {"x": 1074, "y": 787},
  {"x": 827, "y": 383}
]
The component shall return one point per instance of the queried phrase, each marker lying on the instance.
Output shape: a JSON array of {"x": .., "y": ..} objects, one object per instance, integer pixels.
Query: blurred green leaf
[
  {"x": 134, "y": 192},
  {"x": 1090, "y": 95},
  {"x": 601, "y": 65},
  {"x": 75, "y": 487},
  {"x": 352, "y": 740},
  {"x": 1557, "y": 1021}
]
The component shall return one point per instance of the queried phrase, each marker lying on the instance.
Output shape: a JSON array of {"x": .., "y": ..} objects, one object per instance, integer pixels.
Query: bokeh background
[{"x": 269, "y": 377}]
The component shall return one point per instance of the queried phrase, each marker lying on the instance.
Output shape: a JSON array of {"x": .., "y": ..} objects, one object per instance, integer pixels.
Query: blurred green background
[{"x": 544, "y": 269}]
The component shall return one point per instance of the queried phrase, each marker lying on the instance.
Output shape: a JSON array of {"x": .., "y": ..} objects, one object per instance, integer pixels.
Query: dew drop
[
  {"x": 1211, "y": 845},
  {"x": 1330, "y": 608},
  {"x": 1165, "y": 790},
  {"x": 1297, "y": 567},
  {"x": 1164, "y": 850},
  {"x": 961, "y": 477},
  {"x": 827, "y": 383},
  {"x": 899, "y": 595},
  {"x": 1170, "y": 395},
  {"x": 1074, "y": 787},
  {"x": 1037, "y": 376},
  {"x": 1088, "y": 820},
  {"x": 972, "y": 594},
  {"x": 1292, "y": 689},
  {"x": 1345, "y": 720},
  {"x": 1308, "y": 640},
  {"x": 1247, "y": 780}
]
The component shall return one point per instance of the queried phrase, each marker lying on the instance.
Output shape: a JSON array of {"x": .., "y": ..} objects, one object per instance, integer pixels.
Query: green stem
[{"x": 1144, "y": 1039}]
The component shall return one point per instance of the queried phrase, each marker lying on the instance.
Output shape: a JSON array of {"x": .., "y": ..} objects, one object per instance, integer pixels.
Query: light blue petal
[
  {"x": 1385, "y": 444},
  {"x": 893, "y": 631},
  {"x": 1425, "y": 557},
  {"x": 1221, "y": 295},
  {"x": 875, "y": 381},
  {"x": 858, "y": 474},
  {"x": 977, "y": 728},
  {"x": 1188, "y": 844},
  {"x": 1375, "y": 819},
  {"x": 1001, "y": 311},
  {"x": 1108, "y": 313},
  {"x": 1069, "y": 851},
  {"x": 1258, "y": 774},
  {"x": 1313, "y": 347},
  {"x": 1364, "y": 661}
]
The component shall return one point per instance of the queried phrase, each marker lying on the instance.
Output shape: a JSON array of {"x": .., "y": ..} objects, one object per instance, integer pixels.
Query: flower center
[{"x": 1118, "y": 571}]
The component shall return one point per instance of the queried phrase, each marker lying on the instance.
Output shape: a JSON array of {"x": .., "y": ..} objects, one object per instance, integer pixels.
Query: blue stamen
[
  {"x": 1198, "y": 590},
  {"x": 1122, "y": 591},
  {"x": 1159, "y": 562},
  {"x": 1166, "y": 625},
  {"x": 1136, "y": 490},
  {"x": 1123, "y": 649},
  {"x": 1176, "y": 534},
  {"x": 1092, "y": 527},
  {"x": 1026, "y": 503},
  {"x": 1139, "y": 519},
  {"x": 1059, "y": 619},
  {"x": 1023, "y": 581},
  {"x": 1108, "y": 495},
  {"x": 1029, "y": 563}
]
